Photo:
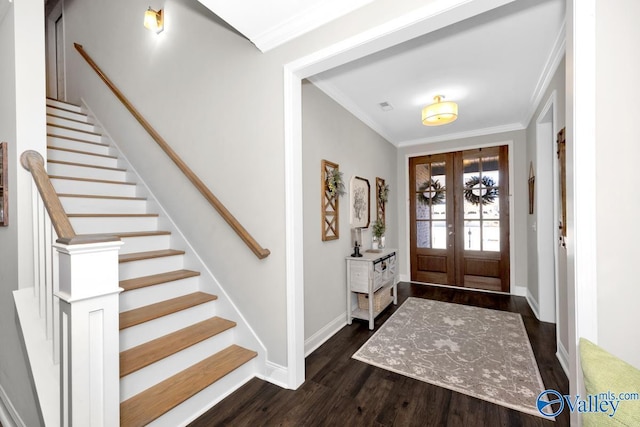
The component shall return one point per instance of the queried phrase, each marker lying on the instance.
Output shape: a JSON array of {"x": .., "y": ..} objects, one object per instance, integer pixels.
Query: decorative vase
[{"x": 381, "y": 243}]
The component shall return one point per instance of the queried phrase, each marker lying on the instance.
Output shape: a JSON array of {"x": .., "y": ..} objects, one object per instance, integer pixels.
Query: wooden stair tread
[
  {"x": 164, "y": 308},
  {"x": 144, "y": 355},
  {"x": 97, "y": 196},
  {"x": 84, "y": 165},
  {"x": 102, "y": 181},
  {"x": 138, "y": 256},
  {"x": 147, "y": 406},
  {"x": 156, "y": 279},
  {"x": 133, "y": 233},
  {"x": 52, "y": 135},
  {"x": 67, "y": 110},
  {"x": 86, "y": 153},
  {"x": 110, "y": 215},
  {"x": 74, "y": 129},
  {"x": 67, "y": 118},
  {"x": 62, "y": 102}
]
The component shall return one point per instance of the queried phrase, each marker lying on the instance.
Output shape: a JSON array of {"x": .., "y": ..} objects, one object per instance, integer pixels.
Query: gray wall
[
  {"x": 219, "y": 103},
  {"x": 22, "y": 127},
  {"x": 519, "y": 194},
  {"x": 330, "y": 132},
  {"x": 617, "y": 154}
]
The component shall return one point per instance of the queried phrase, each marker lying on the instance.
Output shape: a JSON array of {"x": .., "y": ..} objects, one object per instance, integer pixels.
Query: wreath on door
[
  {"x": 431, "y": 191},
  {"x": 476, "y": 194}
]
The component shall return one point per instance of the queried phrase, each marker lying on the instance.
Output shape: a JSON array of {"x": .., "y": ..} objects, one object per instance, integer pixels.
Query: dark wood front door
[{"x": 460, "y": 218}]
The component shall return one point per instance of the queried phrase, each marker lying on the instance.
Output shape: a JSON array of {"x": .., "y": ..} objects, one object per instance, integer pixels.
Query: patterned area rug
[{"x": 479, "y": 352}]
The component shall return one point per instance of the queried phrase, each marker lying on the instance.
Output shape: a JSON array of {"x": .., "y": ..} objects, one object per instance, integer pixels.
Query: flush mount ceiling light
[
  {"x": 439, "y": 113},
  {"x": 153, "y": 20}
]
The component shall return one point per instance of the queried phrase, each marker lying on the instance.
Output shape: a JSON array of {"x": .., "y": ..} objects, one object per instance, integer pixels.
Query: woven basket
[{"x": 381, "y": 299}]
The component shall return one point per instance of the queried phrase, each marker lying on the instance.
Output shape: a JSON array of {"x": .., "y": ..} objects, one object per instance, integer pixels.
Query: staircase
[{"x": 182, "y": 347}]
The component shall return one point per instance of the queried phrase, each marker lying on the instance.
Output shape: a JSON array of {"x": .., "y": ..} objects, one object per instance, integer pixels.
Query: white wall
[
  {"x": 617, "y": 154},
  {"x": 219, "y": 102},
  {"x": 22, "y": 125},
  {"x": 330, "y": 132},
  {"x": 518, "y": 236}
]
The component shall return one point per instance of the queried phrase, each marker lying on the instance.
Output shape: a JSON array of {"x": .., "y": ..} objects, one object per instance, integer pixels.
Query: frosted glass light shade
[
  {"x": 153, "y": 20},
  {"x": 439, "y": 113}
]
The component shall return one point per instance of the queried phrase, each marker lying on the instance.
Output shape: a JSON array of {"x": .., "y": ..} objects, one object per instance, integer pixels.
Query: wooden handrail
[
  {"x": 197, "y": 182},
  {"x": 33, "y": 162},
  {"x": 213, "y": 200}
]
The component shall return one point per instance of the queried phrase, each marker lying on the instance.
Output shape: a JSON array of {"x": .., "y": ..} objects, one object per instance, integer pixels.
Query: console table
[{"x": 371, "y": 284}]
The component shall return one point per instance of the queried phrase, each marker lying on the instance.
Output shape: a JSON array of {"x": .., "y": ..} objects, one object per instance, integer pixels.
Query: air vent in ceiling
[{"x": 385, "y": 106}]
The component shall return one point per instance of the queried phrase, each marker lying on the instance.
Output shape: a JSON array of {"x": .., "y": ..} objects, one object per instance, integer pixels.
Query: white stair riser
[
  {"x": 105, "y": 224},
  {"x": 54, "y": 130},
  {"x": 147, "y": 267},
  {"x": 60, "y": 104},
  {"x": 152, "y": 294},
  {"x": 111, "y": 206},
  {"x": 86, "y": 172},
  {"x": 61, "y": 121},
  {"x": 77, "y": 145},
  {"x": 85, "y": 159},
  {"x": 149, "y": 376},
  {"x": 145, "y": 243},
  {"x": 80, "y": 117},
  {"x": 147, "y": 331},
  {"x": 190, "y": 409},
  {"x": 70, "y": 186}
]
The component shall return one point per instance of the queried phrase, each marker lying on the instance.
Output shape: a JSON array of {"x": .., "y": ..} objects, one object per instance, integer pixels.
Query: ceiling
[
  {"x": 495, "y": 66},
  {"x": 268, "y": 24}
]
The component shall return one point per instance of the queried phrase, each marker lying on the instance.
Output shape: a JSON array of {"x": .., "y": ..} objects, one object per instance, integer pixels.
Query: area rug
[{"x": 476, "y": 351}]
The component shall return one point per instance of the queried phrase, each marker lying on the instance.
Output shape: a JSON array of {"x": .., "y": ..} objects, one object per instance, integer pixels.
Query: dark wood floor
[{"x": 341, "y": 391}]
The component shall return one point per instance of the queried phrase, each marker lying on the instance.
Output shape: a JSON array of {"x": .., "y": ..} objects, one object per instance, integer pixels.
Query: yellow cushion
[{"x": 603, "y": 373}]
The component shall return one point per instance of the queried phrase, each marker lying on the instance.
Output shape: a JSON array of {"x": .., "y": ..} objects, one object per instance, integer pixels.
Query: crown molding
[
  {"x": 551, "y": 66},
  {"x": 460, "y": 135},
  {"x": 303, "y": 22},
  {"x": 346, "y": 103}
]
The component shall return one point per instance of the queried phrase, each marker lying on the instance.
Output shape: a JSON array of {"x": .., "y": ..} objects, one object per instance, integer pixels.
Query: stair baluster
[{"x": 75, "y": 296}]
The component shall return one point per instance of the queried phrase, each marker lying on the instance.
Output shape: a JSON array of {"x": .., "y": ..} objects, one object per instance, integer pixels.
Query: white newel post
[{"x": 89, "y": 326}]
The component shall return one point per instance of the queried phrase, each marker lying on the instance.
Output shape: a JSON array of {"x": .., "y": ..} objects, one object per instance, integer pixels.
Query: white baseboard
[
  {"x": 276, "y": 374},
  {"x": 520, "y": 291},
  {"x": 563, "y": 358},
  {"x": 320, "y": 337},
  {"x": 8, "y": 415},
  {"x": 533, "y": 304},
  {"x": 279, "y": 375}
]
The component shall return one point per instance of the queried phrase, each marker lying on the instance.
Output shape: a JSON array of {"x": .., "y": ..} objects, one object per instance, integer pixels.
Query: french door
[{"x": 459, "y": 208}]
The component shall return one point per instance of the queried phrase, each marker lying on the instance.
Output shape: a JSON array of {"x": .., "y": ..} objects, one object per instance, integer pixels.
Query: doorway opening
[
  {"x": 546, "y": 212},
  {"x": 55, "y": 53}
]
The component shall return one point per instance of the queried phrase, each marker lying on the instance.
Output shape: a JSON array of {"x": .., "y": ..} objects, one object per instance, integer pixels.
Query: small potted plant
[{"x": 378, "y": 230}]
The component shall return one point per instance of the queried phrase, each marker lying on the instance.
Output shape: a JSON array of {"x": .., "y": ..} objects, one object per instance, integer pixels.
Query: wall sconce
[{"x": 153, "y": 20}]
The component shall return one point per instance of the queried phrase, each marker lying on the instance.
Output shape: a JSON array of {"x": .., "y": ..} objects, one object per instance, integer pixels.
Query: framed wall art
[
  {"x": 4, "y": 188},
  {"x": 331, "y": 188},
  {"x": 360, "y": 200}
]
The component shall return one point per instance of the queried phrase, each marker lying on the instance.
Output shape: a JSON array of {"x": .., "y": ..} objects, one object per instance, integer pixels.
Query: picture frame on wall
[{"x": 359, "y": 202}]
